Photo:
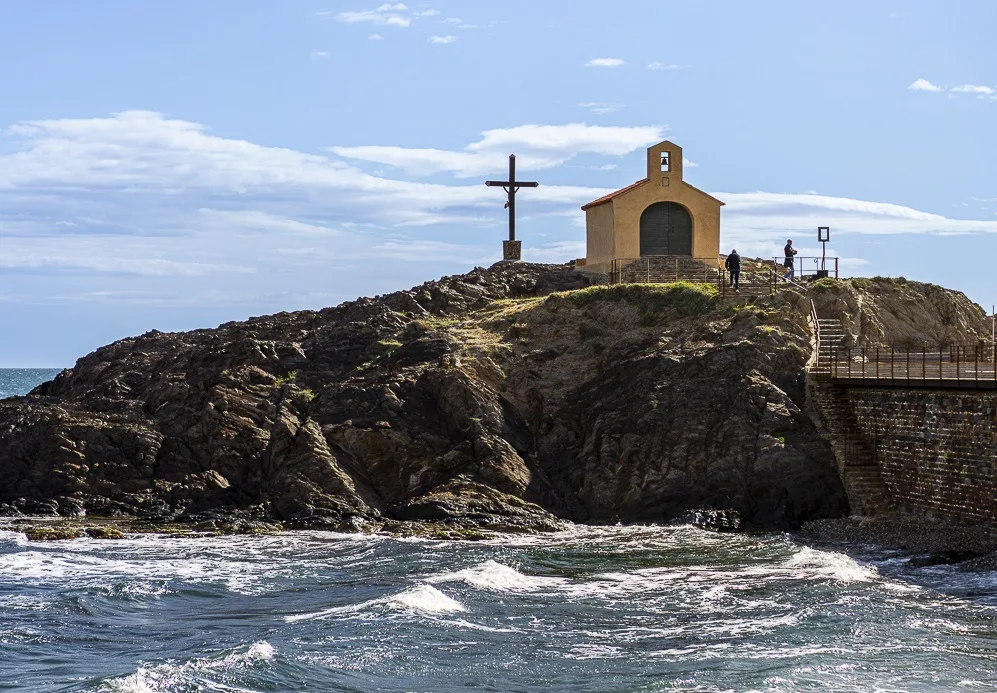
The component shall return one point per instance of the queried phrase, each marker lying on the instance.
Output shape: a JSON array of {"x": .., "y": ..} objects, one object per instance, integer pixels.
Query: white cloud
[
  {"x": 601, "y": 107},
  {"x": 459, "y": 23},
  {"x": 392, "y": 7},
  {"x": 319, "y": 55},
  {"x": 375, "y": 17},
  {"x": 124, "y": 205},
  {"x": 605, "y": 62},
  {"x": 923, "y": 85},
  {"x": 427, "y": 13},
  {"x": 979, "y": 90},
  {"x": 536, "y": 147},
  {"x": 688, "y": 163},
  {"x": 755, "y": 223},
  {"x": 662, "y": 66},
  {"x": 375, "y": 37},
  {"x": 442, "y": 40}
]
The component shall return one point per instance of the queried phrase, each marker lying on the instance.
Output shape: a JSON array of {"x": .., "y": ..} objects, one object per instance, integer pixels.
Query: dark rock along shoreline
[{"x": 507, "y": 398}]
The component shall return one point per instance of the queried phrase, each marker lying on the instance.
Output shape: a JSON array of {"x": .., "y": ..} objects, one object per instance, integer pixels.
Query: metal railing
[
  {"x": 821, "y": 267},
  {"x": 970, "y": 366},
  {"x": 816, "y": 341},
  {"x": 664, "y": 269}
]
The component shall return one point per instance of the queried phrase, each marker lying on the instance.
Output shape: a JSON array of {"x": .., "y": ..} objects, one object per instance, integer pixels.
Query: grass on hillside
[{"x": 656, "y": 301}]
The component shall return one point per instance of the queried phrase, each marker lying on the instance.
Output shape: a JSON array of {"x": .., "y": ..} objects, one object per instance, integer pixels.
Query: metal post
[{"x": 512, "y": 197}]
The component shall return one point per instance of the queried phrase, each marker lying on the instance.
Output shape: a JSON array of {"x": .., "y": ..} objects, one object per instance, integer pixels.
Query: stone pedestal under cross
[{"x": 511, "y": 249}]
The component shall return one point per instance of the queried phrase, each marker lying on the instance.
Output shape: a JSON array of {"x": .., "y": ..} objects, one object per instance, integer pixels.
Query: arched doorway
[{"x": 665, "y": 229}]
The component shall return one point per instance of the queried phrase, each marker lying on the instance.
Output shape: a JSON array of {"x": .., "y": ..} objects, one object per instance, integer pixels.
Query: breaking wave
[
  {"x": 492, "y": 575},
  {"x": 423, "y": 599},
  {"x": 198, "y": 674}
]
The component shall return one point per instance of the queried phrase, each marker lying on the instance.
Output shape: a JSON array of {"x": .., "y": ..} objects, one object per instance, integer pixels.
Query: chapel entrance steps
[{"x": 856, "y": 458}]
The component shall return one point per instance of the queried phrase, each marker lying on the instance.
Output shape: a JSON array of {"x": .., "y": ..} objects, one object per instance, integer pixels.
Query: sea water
[
  {"x": 19, "y": 381},
  {"x": 589, "y": 609}
]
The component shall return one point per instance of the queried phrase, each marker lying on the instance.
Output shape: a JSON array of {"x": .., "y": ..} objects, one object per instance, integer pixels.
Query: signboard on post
[{"x": 823, "y": 236}]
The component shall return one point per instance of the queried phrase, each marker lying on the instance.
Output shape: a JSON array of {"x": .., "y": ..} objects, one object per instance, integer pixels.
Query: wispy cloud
[
  {"x": 981, "y": 91},
  {"x": 443, "y": 40},
  {"x": 388, "y": 14},
  {"x": 375, "y": 37},
  {"x": 978, "y": 89},
  {"x": 459, "y": 23},
  {"x": 601, "y": 107},
  {"x": 240, "y": 222},
  {"x": 662, "y": 66},
  {"x": 426, "y": 13},
  {"x": 606, "y": 62},
  {"x": 319, "y": 55},
  {"x": 536, "y": 146}
]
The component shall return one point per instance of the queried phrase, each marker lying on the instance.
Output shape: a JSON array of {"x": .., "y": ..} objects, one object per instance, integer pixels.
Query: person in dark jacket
[
  {"x": 733, "y": 265},
  {"x": 789, "y": 262}
]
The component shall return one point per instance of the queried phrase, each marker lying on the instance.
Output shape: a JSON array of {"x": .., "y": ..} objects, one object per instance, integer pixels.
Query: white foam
[
  {"x": 241, "y": 566},
  {"x": 15, "y": 538},
  {"x": 830, "y": 564},
  {"x": 424, "y": 599},
  {"x": 492, "y": 575},
  {"x": 165, "y": 677}
]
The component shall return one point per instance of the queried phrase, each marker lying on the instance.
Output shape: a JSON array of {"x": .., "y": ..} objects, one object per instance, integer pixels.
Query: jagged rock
[
  {"x": 718, "y": 520},
  {"x": 505, "y": 397}
]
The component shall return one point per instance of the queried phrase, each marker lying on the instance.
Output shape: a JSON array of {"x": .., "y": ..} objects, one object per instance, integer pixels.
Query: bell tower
[{"x": 664, "y": 164}]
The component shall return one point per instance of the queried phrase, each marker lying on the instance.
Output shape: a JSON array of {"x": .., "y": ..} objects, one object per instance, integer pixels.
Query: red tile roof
[{"x": 610, "y": 196}]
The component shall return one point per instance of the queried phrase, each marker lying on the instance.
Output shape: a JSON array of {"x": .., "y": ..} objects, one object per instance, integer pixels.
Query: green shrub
[{"x": 289, "y": 378}]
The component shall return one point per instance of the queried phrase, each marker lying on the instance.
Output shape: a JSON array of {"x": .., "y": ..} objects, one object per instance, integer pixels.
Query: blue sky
[{"x": 178, "y": 165}]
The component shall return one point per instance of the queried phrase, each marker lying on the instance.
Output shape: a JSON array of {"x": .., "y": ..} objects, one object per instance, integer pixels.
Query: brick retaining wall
[{"x": 937, "y": 450}]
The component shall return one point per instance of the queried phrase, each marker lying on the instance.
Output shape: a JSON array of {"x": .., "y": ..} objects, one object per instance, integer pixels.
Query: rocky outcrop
[
  {"x": 900, "y": 313},
  {"x": 509, "y": 397}
]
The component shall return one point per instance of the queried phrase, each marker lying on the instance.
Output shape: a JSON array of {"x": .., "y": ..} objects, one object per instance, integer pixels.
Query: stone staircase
[
  {"x": 857, "y": 464},
  {"x": 832, "y": 337}
]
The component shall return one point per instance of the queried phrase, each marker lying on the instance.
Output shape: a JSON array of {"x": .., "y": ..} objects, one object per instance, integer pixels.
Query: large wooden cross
[{"x": 511, "y": 187}]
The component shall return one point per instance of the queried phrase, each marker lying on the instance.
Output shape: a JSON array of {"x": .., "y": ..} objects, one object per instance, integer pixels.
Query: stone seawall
[{"x": 936, "y": 450}]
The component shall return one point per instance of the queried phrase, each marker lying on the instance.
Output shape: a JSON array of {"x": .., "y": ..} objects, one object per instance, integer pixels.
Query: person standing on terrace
[
  {"x": 733, "y": 265},
  {"x": 789, "y": 252}
]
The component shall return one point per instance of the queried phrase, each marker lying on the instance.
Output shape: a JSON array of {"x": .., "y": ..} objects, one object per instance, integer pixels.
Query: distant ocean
[{"x": 20, "y": 381}]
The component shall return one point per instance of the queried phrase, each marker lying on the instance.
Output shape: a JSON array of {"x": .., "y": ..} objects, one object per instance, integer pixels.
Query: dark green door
[{"x": 665, "y": 229}]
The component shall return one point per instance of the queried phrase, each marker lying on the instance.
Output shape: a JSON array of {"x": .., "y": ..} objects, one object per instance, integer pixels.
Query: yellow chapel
[{"x": 661, "y": 215}]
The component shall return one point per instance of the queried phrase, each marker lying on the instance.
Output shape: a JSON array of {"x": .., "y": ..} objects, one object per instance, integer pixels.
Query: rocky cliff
[{"x": 507, "y": 397}]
